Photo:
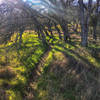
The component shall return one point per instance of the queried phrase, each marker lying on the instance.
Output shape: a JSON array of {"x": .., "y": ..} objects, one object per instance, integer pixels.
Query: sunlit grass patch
[
  {"x": 19, "y": 69},
  {"x": 12, "y": 95},
  {"x": 42, "y": 94},
  {"x": 78, "y": 52},
  {"x": 22, "y": 61},
  {"x": 49, "y": 59}
]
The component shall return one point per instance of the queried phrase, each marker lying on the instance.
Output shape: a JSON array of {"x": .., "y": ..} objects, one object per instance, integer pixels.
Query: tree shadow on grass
[
  {"x": 95, "y": 52},
  {"x": 73, "y": 79},
  {"x": 76, "y": 79},
  {"x": 72, "y": 47}
]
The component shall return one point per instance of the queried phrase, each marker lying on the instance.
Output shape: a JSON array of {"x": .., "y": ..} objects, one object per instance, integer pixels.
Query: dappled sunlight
[
  {"x": 21, "y": 79},
  {"x": 43, "y": 94},
  {"x": 12, "y": 95},
  {"x": 22, "y": 64}
]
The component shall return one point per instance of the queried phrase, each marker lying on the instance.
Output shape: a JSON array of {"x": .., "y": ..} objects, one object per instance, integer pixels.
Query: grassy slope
[
  {"x": 16, "y": 69},
  {"x": 60, "y": 72},
  {"x": 69, "y": 73}
]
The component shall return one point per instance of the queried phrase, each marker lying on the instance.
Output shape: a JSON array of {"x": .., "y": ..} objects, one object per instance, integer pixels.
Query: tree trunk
[
  {"x": 84, "y": 22},
  {"x": 96, "y": 20},
  {"x": 64, "y": 27},
  {"x": 94, "y": 33}
]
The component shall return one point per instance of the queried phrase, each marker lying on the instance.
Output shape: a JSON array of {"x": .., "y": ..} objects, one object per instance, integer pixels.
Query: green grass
[
  {"x": 22, "y": 61},
  {"x": 49, "y": 84}
]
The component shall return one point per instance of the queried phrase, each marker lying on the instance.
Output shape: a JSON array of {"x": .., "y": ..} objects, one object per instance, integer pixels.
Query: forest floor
[{"x": 64, "y": 71}]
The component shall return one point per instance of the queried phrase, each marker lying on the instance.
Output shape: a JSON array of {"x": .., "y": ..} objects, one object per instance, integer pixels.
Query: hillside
[
  {"x": 49, "y": 50},
  {"x": 61, "y": 71}
]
